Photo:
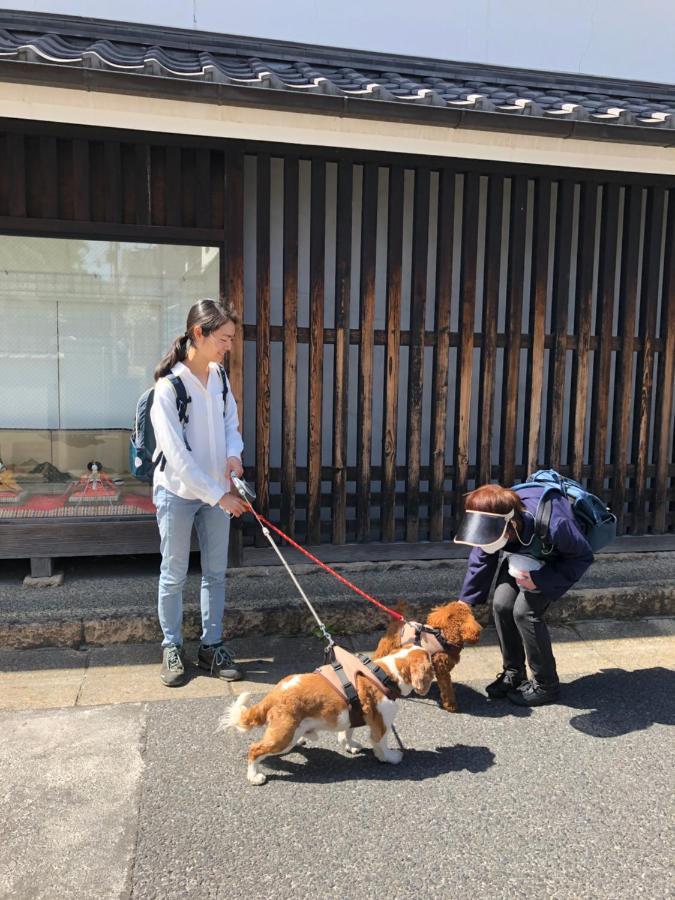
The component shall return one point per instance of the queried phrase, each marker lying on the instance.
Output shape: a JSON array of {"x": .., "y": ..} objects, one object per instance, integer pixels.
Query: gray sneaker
[
  {"x": 173, "y": 668},
  {"x": 219, "y": 661}
]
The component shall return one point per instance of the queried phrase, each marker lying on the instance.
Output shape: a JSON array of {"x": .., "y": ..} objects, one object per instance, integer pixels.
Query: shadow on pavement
[
  {"x": 321, "y": 766},
  {"x": 620, "y": 701},
  {"x": 474, "y": 703}
]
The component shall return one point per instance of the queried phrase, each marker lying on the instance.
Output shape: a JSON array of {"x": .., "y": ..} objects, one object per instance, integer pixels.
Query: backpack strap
[
  {"x": 542, "y": 518},
  {"x": 183, "y": 400},
  {"x": 223, "y": 375}
]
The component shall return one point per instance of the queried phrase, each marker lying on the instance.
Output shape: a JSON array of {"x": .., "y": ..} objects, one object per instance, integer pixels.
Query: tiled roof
[{"x": 355, "y": 75}]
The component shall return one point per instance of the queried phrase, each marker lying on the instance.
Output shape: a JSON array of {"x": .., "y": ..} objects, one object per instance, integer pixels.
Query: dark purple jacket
[{"x": 573, "y": 553}]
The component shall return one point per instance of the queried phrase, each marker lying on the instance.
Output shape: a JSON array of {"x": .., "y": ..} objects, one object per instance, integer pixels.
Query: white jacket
[{"x": 199, "y": 473}]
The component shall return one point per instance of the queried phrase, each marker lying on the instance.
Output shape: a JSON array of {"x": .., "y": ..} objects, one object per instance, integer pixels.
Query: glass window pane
[{"x": 84, "y": 325}]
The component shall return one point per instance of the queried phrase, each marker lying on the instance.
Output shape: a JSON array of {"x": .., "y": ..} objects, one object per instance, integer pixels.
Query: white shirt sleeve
[
  {"x": 170, "y": 441},
  {"x": 233, "y": 439}
]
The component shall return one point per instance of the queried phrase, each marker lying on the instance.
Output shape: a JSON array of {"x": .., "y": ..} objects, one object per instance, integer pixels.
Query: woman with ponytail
[{"x": 192, "y": 483}]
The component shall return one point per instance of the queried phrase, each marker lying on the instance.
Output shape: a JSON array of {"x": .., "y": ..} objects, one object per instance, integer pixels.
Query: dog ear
[
  {"x": 471, "y": 629},
  {"x": 421, "y": 673}
]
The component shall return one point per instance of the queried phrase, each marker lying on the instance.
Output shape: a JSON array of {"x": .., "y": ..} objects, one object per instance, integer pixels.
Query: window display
[{"x": 84, "y": 324}]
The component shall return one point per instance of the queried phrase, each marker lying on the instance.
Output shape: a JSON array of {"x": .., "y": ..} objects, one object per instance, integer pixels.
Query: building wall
[{"x": 596, "y": 38}]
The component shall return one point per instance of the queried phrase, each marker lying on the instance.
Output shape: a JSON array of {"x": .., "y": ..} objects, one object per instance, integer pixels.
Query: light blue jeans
[{"x": 175, "y": 517}]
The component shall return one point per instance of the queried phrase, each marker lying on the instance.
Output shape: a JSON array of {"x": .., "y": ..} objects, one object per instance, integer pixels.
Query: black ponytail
[{"x": 210, "y": 315}]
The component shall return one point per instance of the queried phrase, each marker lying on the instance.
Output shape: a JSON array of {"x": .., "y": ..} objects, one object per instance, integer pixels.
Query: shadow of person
[
  {"x": 620, "y": 701},
  {"x": 474, "y": 703},
  {"x": 318, "y": 765}
]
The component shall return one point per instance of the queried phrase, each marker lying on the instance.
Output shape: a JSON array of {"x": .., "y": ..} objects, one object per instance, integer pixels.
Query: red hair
[{"x": 493, "y": 498}]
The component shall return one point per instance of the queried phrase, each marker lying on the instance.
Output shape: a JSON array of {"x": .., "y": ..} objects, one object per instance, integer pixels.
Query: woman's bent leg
[
  {"x": 213, "y": 530},
  {"x": 174, "y": 517},
  {"x": 510, "y": 641},
  {"x": 528, "y": 614}
]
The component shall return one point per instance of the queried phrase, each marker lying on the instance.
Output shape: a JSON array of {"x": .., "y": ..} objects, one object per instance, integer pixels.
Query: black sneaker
[
  {"x": 506, "y": 681},
  {"x": 532, "y": 694},
  {"x": 219, "y": 661},
  {"x": 173, "y": 668}
]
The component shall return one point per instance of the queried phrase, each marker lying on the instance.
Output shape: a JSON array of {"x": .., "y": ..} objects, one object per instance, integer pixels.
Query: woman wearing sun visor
[{"x": 530, "y": 577}]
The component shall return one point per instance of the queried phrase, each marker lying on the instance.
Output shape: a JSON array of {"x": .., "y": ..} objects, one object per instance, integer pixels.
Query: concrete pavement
[{"x": 114, "y": 786}]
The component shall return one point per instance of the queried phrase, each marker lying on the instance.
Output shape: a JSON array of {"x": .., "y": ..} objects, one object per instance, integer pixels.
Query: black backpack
[
  {"x": 596, "y": 522},
  {"x": 142, "y": 441}
]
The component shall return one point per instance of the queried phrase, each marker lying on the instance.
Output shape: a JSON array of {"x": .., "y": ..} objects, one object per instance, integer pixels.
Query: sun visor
[{"x": 480, "y": 528}]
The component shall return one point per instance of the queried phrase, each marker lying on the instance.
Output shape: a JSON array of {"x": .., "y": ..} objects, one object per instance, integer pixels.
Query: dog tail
[{"x": 238, "y": 715}]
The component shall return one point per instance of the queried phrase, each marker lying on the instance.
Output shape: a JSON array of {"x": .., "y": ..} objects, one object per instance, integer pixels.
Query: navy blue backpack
[
  {"x": 595, "y": 520},
  {"x": 142, "y": 441}
]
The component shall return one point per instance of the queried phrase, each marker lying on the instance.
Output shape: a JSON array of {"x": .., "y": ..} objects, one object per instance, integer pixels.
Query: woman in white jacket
[{"x": 192, "y": 483}]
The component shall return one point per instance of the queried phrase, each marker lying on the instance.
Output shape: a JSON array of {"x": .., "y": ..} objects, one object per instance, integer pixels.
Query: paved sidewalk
[
  {"x": 129, "y": 673},
  {"x": 113, "y": 786}
]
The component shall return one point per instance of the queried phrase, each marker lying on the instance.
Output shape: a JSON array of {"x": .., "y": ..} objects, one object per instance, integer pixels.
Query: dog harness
[
  {"x": 341, "y": 674},
  {"x": 429, "y": 639}
]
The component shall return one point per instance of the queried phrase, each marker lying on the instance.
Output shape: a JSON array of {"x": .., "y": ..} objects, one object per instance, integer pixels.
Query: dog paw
[
  {"x": 301, "y": 742},
  {"x": 393, "y": 757},
  {"x": 257, "y": 778},
  {"x": 354, "y": 747}
]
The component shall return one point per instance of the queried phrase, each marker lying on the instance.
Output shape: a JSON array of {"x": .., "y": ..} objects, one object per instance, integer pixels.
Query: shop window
[{"x": 83, "y": 324}]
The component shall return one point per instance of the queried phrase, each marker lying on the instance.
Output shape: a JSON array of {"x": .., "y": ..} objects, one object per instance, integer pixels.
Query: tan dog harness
[{"x": 341, "y": 675}]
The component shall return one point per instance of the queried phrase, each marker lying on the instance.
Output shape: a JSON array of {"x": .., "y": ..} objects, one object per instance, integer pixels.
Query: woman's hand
[
  {"x": 232, "y": 504},
  {"x": 524, "y": 581},
  {"x": 234, "y": 466}
]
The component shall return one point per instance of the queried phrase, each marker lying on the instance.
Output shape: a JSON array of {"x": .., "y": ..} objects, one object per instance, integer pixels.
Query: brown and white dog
[
  {"x": 302, "y": 705},
  {"x": 456, "y": 623}
]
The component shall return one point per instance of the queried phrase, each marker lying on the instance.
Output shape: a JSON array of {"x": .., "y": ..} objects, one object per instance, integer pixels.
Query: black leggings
[{"x": 521, "y": 630}]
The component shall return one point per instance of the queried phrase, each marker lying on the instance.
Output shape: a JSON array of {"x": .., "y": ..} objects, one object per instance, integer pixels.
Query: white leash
[{"x": 246, "y": 492}]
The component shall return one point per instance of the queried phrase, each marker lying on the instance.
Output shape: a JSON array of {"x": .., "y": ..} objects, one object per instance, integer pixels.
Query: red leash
[{"x": 323, "y": 565}]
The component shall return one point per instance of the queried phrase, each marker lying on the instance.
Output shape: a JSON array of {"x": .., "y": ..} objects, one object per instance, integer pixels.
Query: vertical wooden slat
[
  {"x": 467, "y": 292},
  {"x": 514, "y": 312},
  {"x": 623, "y": 393},
  {"x": 232, "y": 266},
  {"x": 232, "y": 290},
  {"x": 645, "y": 358},
  {"x": 158, "y": 188},
  {"x": 583, "y": 315},
  {"x": 603, "y": 328},
  {"x": 392, "y": 362},
  {"x": 541, "y": 238},
  {"x": 666, "y": 368},
  {"x": 491, "y": 281},
  {"x": 128, "y": 175},
  {"x": 97, "y": 179},
  {"x": 202, "y": 198},
  {"x": 341, "y": 370},
  {"x": 66, "y": 180},
  {"x": 187, "y": 187},
  {"x": 366, "y": 325},
  {"x": 561, "y": 289},
  {"x": 113, "y": 181},
  {"x": 290, "y": 349},
  {"x": 439, "y": 386},
  {"x": 49, "y": 171},
  {"x": 81, "y": 199},
  {"x": 142, "y": 184},
  {"x": 174, "y": 181},
  {"x": 262, "y": 393},
  {"x": 16, "y": 174},
  {"x": 317, "y": 252},
  {"x": 418, "y": 296}
]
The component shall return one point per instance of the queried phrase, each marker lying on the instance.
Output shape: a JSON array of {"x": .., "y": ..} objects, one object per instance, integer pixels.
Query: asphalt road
[{"x": 149, "y": 801}]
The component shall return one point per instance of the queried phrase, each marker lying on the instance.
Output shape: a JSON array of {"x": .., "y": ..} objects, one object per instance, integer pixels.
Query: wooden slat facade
[{"x": 570, "y": 274}]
